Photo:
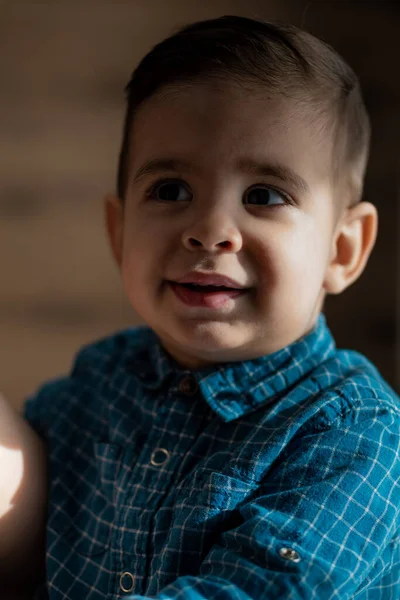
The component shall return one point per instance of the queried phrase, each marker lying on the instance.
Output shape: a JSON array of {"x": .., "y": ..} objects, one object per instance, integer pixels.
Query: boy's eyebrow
[{"x": 246, "y": 165}]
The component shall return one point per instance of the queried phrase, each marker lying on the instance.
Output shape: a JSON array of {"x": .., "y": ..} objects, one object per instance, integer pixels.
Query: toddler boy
[{"x": 228, "y": 450}]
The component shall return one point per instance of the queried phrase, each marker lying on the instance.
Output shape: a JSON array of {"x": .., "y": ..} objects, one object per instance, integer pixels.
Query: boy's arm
[{"x": 23, "y": 501}]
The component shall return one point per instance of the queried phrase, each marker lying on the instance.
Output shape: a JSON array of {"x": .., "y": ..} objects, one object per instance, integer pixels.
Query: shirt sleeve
[{"x": 321, "y": 525}]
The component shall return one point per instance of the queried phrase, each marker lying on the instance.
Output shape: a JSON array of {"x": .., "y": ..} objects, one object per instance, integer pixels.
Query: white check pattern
[{"x": 270, "y": 479}]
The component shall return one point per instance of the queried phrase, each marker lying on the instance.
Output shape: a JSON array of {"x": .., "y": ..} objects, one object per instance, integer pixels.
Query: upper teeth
[{"x": 205, "y": 285}]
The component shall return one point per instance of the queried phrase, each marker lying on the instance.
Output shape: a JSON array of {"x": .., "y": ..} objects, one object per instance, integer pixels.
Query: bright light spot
[{"x": 11, "y": 472}]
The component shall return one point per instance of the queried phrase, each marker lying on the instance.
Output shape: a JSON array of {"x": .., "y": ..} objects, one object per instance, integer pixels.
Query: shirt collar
[{"x": 235, "y": 388}]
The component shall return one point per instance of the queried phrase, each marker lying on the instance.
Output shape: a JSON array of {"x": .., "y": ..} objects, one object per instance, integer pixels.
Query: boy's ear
[
  {"x": 114, "y": 218},
  {"x": 352, "y": 245}
]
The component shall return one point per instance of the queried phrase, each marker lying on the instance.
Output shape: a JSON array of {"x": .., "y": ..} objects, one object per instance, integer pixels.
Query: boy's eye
[
  {"x": 261, "y": 195},
  {"x": 166, "y": 191},
  {"x": 266, "y": 196}
]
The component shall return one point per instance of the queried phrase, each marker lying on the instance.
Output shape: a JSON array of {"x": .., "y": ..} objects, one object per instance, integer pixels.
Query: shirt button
[
  {"x": 188, "y": 385},
  {"x": 126, "y": 582},
  {"x": 159, "y": 456},
  {"x": 289, "y": 554}
]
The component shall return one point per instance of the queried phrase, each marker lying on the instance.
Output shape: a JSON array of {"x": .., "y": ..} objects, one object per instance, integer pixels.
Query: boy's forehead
[
  {"x": 215, "y": 104},
  {"x": 216, "y": 126},
  {"x": 197, "y": 114}
]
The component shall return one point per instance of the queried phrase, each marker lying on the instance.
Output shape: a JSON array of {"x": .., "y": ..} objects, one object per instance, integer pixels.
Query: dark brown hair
[{"x": 283, "y": 58}]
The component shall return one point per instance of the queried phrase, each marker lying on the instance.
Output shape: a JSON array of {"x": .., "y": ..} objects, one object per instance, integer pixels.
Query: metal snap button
[
  {"x": 290, "y": 554},
  {"x": 188, "y": 385},
  {"x": 126, "y": 582},
  {"x": 161, "y": 458}
]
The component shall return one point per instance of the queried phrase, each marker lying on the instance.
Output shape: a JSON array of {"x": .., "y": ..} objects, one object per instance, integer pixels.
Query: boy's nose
[{"x": 230, "y": 240}]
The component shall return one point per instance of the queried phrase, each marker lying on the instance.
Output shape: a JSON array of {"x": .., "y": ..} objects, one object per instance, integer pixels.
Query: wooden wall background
[{"x": 63, "y": 68}]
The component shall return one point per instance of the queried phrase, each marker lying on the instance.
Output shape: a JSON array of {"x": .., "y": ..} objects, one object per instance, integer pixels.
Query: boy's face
[{"x": 226, "y": 220}]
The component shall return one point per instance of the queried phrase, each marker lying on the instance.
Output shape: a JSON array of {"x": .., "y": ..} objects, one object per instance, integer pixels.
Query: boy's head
[{"x": 205, "y": 107}]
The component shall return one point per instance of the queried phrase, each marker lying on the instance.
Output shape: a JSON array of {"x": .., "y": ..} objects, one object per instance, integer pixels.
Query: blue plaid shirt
[{"x": 268, "y": 479}]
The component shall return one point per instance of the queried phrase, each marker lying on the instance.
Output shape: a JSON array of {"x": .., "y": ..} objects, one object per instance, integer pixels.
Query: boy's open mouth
[
  {"x": 204, "y": 288},
  {"x": 206, "y": 296}
]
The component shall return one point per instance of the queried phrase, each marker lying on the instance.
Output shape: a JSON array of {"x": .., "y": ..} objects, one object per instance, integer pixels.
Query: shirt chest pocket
[
  {"x": 208, "y": 493},
  {"x": 205, "y": 505},
  {"x": 82, "y": 498}
]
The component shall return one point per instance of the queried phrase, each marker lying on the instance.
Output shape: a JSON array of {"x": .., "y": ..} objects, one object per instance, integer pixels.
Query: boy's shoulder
[
  {"x": 92, "y": 364},
  {"x": 350, "y": 385},
  {"x": 104, "y": 354}
]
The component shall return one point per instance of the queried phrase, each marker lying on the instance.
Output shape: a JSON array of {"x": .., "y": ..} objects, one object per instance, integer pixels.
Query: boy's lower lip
[{"x": 215, "y": 299}]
